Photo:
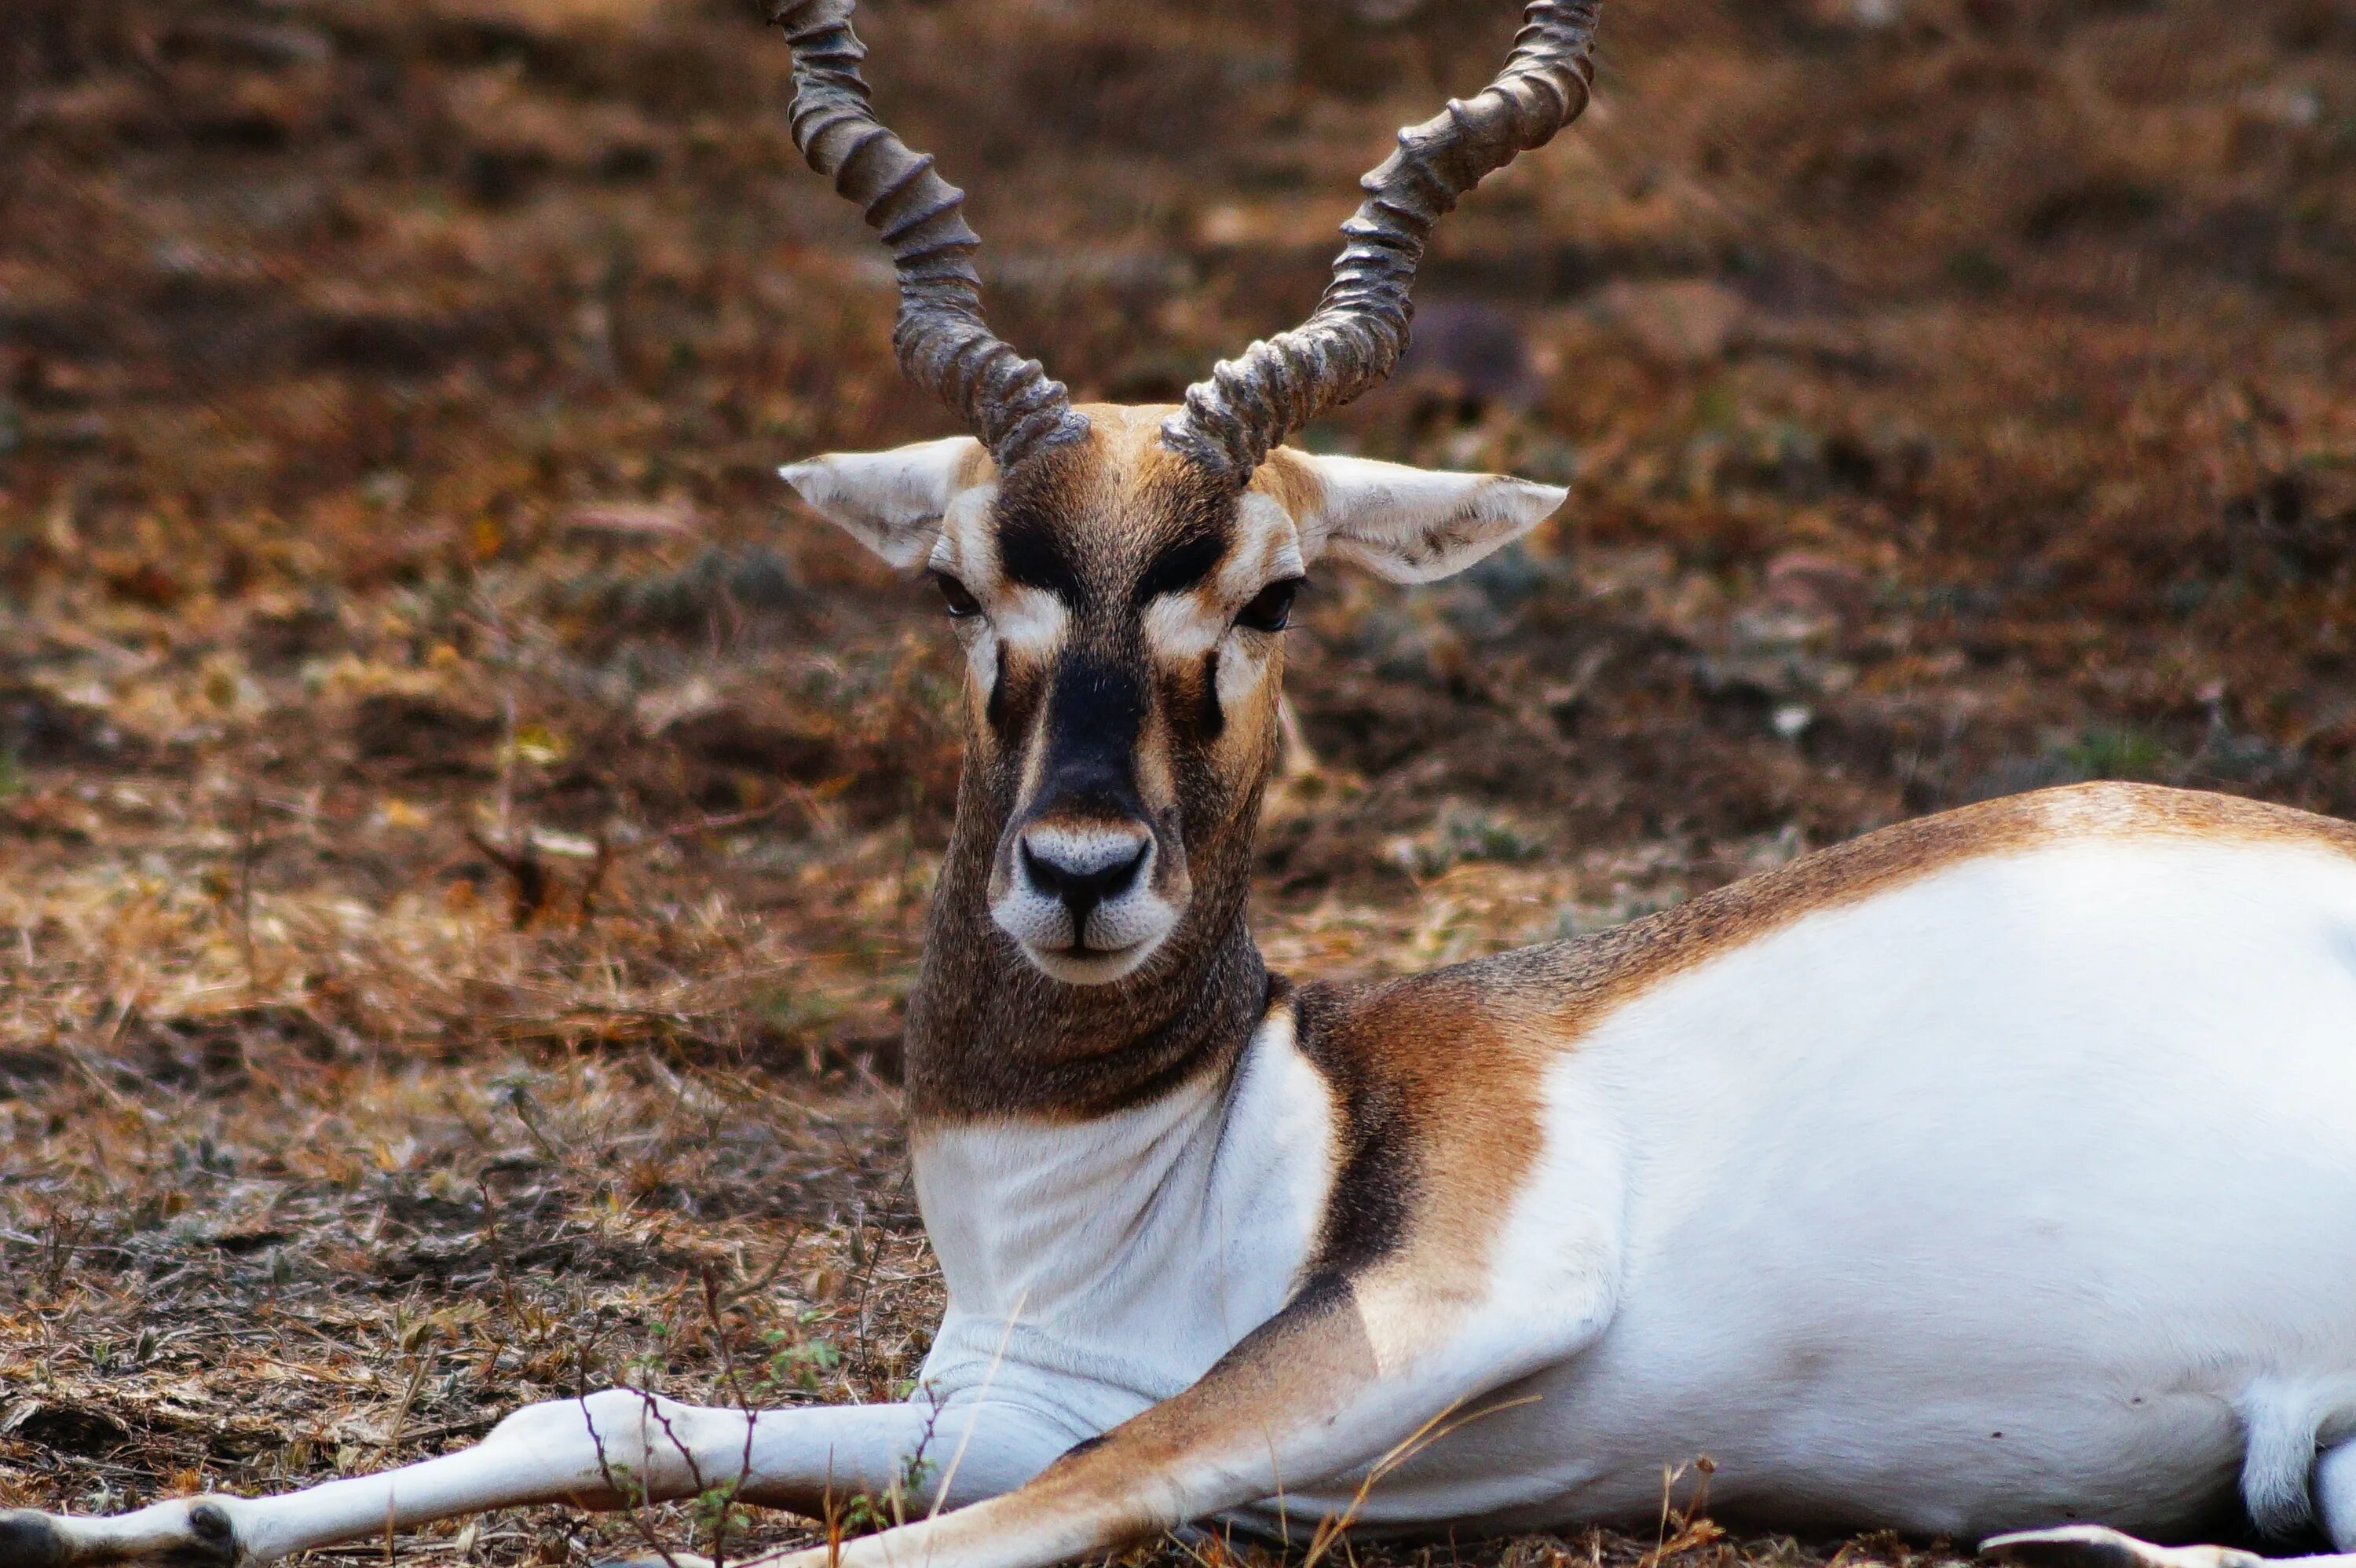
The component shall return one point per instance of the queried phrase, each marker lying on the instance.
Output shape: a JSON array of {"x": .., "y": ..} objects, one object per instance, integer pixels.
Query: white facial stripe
[
  {"x": 965, "y": 550},
  {"x": 1267, "y": 550},
  {"x": 1025, "y": 621},
  {"x": 1182, "y": 631},
  {"x": 1242, "y": 665},
  {"x": 1181, "y": 628},
  {"x": 1185, "y": 627},
  {"x": 981, "y": 659},
  {"x": 1031, "y": 620}
]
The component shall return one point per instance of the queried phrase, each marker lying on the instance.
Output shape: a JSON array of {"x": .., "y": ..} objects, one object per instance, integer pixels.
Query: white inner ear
[
  {"x": 1414, "y": 525},
  {"x": 892, "y": 502}
]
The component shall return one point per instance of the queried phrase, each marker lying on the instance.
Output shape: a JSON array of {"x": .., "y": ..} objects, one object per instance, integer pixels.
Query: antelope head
[{"x": 1121, "y": 578}]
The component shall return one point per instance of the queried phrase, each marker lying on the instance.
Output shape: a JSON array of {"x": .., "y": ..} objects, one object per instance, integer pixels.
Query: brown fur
[
  {"x": 1303, "y": 1364},
  {"x": 1435, "y": 1079},
  {"x": 1290, "y": 484},
  {"x": 1597, "y": 973}
]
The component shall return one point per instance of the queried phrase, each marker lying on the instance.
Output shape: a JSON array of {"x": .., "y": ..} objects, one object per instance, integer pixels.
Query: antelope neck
[{"x": 989, "y": 1036}]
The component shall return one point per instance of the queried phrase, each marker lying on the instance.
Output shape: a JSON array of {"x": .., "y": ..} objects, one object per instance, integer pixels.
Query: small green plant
[
  {"x": 719, "y": 1516},
  {"x": 865, "y": 1515},
  {"x": 2105, "y": 752},
  {"x": 796, "y": 1360}
]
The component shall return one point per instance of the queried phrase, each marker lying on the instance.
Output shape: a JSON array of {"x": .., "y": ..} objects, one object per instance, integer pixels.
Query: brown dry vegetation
[{"x": 465, "y": 834}]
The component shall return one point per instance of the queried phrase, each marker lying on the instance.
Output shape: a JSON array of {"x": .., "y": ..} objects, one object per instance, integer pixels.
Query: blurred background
[{"x": 467, "y": 832}]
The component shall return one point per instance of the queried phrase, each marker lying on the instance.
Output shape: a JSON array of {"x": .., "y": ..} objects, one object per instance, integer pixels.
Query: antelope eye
[
  {"x": 1271, "y": 611},
  {"x": 956, "y": 595}
]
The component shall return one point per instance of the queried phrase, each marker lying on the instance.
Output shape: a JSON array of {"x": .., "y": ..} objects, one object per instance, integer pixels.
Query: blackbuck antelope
[{"x": 1996, "y": 1172}]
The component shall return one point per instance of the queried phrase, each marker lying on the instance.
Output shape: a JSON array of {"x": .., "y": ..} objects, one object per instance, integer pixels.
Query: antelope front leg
[
  {"x": 612, "y": 1448},
  {"x": 1347, "y": 1378}
]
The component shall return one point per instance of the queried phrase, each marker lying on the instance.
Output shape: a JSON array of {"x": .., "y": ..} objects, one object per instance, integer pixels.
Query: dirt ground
[{"x": 465, "y": 832}]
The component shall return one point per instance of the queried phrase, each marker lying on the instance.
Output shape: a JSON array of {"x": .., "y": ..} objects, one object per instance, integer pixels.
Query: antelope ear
[
  {"x": 891, "y": 501},
  {"x": 1410, "y": 525}
]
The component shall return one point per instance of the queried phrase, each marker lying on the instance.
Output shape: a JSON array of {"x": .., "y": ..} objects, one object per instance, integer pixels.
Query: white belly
[{"x": 2023, "y": 1193}]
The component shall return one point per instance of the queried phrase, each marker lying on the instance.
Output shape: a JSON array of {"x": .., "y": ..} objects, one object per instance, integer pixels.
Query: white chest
[{"x": 1105, "y": 1265}]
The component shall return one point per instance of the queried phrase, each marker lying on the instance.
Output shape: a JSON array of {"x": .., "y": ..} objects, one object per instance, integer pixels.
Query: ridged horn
[
  {"x": 1252, "y": 403},
  {"x": 943, "y": 341}
]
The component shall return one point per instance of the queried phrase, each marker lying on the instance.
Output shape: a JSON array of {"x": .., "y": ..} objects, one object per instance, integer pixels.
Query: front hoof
[{"x": 30, "y": 1538}]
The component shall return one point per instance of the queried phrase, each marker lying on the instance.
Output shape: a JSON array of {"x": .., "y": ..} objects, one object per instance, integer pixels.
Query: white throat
[{"x": 1060, "y": 1242}]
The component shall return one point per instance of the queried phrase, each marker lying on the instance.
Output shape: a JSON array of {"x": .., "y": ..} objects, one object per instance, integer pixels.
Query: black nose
[{"x": 1082, "y": 883}]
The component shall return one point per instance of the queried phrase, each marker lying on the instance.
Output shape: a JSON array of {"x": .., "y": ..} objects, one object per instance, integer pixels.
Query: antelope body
[{"x": 1996, "y": 1172}]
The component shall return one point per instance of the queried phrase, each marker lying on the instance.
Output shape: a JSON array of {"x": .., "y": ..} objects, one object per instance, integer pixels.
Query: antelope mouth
[
  {"x": 1091, "y": 965},
  {"x": 1099, "y": 957}
]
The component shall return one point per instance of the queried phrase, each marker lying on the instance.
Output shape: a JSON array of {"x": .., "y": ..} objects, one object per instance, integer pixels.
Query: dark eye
[
  {"x": 1272, "y": 610},
  {"x": 961, "y": 601}
]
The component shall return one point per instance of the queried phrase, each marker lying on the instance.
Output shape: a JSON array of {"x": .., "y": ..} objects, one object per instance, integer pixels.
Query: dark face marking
[
  {"x": 994, "y": 712},
  {"x": 1210, "y": 718},
  {"x": 1184, "y": 563},
  {"x": 1032, "y": 554},
  {"x": 1095, "y": 712}
]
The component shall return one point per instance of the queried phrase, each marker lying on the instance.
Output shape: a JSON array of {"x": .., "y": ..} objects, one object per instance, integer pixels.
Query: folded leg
[
  {"x": 1347, "y": 1376},
  {"x": 607, "y": 1450}
]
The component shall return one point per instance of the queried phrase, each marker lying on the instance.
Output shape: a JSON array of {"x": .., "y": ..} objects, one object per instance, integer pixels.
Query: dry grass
[{"x": 466, "y": 851}]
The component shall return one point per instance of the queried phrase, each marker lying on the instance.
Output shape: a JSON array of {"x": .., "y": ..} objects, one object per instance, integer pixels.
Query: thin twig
[
  {"x": 632, "y": 1510},
  {"x": 728, "y": 1378},
  {"x": 499, "y": 1254}
]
